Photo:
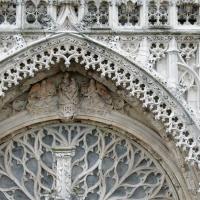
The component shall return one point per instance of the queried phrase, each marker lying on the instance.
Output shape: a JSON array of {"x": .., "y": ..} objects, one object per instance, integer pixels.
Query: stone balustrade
[{"x": 99, "y": 14}]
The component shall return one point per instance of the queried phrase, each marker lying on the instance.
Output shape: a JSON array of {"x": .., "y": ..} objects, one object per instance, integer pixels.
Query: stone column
[
  {"x": 172, "y": 63},
  {"x": 63, "y": 157}
]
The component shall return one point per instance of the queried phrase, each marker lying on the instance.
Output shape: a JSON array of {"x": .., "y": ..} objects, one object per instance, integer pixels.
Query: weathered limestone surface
[{"x": 127, "y": 71}]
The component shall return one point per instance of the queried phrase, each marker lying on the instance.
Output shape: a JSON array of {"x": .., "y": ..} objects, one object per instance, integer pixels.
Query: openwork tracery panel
[
  {"x": 128, "y": 14},
  {"x": 97, "y": 13},
  {"x": 188, "y": 14},
  {"x": 36, "y": 13},
  {"x": 104, "y": 165},
  {"x": 7, "y": 13},
  {"x": 158, "y": 13}
]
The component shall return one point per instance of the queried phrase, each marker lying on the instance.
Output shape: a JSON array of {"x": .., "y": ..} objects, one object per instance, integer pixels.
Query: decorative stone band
[{"x": 152, "y": 94}]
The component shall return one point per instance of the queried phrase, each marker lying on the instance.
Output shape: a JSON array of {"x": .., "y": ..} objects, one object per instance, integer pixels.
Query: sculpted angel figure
[{"x": 68, "y": 95}]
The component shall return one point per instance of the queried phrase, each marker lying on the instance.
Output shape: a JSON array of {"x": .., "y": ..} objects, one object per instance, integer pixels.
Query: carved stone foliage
[
  {"x": 105, "y": 166},
  {"x": 157, "y": 52},
  {"x": 189, "y": 86},
  {"x": 188, "y": 50}
]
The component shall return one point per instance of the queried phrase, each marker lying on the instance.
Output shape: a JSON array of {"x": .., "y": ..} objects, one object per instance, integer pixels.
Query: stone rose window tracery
[
  {"x": 98, "y": 13},
  {"x": 99, "y": 164},
  {"x": 128, "y": 14},
  {"x": 7, "y": 13},
  {"x": 36, "y": 13},
  {"x": 158, "y": 13},
  {"x": 188, "y": 14}
]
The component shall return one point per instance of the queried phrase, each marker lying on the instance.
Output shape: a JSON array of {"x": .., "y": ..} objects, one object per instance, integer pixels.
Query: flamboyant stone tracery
[{"x": 104, "y": 166}]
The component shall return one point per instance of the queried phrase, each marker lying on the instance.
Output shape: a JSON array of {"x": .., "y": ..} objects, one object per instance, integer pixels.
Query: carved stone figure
[
  {"x": 5, "y": 113},
  {"x": 42, "y": 97},
  {"x": 95, "y": 97},
  {"x": 68, "y": 96},
  {"x": 19, "y": 104},
  {"x": 104, "y": 93},
  {"x": 118, "y": 103}
]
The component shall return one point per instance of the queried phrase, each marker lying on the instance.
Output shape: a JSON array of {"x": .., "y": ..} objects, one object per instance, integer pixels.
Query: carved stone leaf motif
[{"x": 105, "y": 166}]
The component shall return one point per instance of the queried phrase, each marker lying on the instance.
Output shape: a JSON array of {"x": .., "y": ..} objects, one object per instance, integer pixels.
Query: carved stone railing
[{"x": 114, "y": 14}]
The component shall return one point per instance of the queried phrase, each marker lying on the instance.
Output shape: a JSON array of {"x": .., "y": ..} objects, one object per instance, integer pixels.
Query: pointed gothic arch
[{"x": 110, "y": 64}]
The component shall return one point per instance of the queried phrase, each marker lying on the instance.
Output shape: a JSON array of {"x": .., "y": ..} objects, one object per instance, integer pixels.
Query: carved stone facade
[{"x": 121, "y": 64}]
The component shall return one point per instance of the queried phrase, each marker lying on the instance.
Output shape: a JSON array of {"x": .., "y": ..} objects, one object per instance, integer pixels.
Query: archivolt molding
[{"x": 117, "y": 68}]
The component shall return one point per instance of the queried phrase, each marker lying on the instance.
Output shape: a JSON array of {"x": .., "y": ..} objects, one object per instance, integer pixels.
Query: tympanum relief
[{"x": 66, "y": 95}]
